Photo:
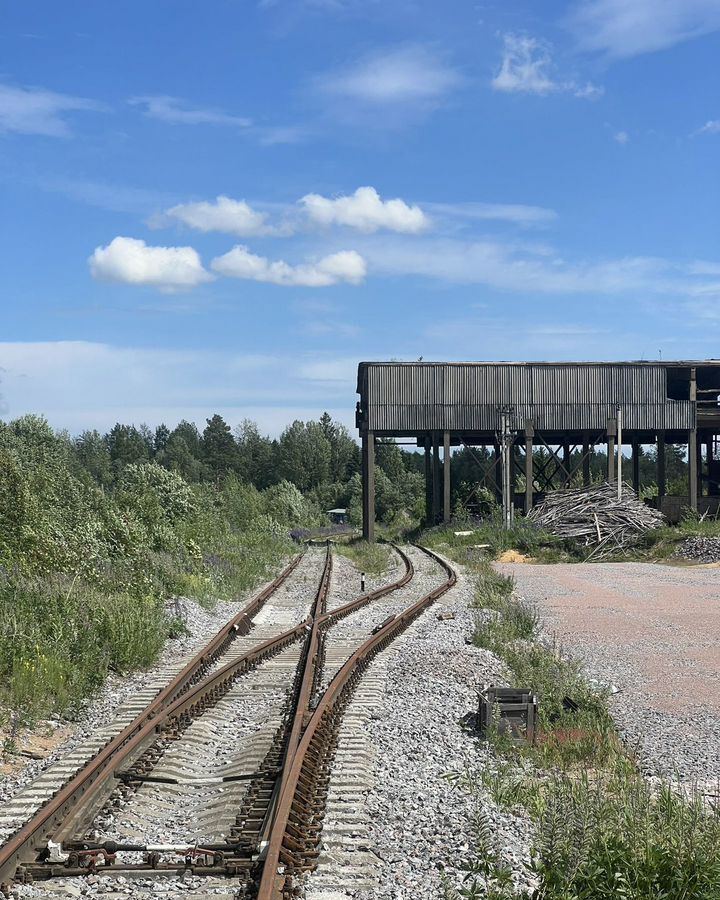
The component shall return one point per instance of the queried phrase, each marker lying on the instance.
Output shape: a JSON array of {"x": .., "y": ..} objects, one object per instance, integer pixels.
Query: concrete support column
[
  {"x": 368, "y": 477},
  {"x": 436, "y": 477},
  {"x": 586, "y": 459},
  {"x": 446, "y": 477},
  {"x": 611, "y": 432},
  {"x": 428, "y": 480},
  {"x": 661, "y": 479},
  {"x": 636, "y": 466},
  {"x": 529, "y": 434}
]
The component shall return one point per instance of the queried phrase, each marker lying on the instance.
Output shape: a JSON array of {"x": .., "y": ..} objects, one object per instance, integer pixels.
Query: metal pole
[{"x": 619, "y": 452}]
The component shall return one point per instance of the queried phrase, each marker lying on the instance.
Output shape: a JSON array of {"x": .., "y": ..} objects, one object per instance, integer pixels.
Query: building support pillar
[
  {"x": 529, "y": 475},
  {"x": 436, "y": 478},
  {"x": 611, "y": 432},
  {"x": 428, "y": 481},
  {"x": 368, "y": 479},
  {"x": 661, "y": 478},
  {"x": 586, "y": 459},
  {"x": 636, "y": 466},
  {"x": 446, "y": 477}
]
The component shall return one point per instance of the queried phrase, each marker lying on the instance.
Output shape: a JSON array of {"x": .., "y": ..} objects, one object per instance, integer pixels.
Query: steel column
[{"x": 586, "y": 459}]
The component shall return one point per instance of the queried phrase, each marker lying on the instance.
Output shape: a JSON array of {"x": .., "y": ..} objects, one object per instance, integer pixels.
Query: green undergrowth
[
  {"x": 489, "y": 539},
  {"x": 370, "y": 558},
  {"x": 601, "y": 830}
]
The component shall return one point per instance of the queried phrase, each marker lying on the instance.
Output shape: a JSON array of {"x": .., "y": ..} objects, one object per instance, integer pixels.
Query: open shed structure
[{"x": 558, "y": 406}]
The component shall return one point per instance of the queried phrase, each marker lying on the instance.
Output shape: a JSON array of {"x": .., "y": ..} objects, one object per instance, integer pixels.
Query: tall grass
[
  {"x": 371, "y": 558},
  {"x": 59, "y": 638}
]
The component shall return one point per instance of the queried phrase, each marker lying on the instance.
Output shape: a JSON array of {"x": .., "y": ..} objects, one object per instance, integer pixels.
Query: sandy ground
[{"x": 653, "y": 630}]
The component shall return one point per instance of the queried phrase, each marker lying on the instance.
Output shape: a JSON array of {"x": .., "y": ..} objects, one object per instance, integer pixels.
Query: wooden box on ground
[{"x": 508, "y": 712}]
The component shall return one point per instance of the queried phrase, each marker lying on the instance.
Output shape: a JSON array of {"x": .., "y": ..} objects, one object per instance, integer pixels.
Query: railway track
[{"x": 224, "y": 773}]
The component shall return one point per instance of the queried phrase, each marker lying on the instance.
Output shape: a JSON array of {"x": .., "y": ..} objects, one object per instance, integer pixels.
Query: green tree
[
  {"x": 344, "y": 452},
  {"x": 93, "y": 457},
  {"x": 126, "y": 444},
  {"x": 161, "y": 438},
  {"x": 256, "y": 455},
  {"x": 219, "y": 450},
  {"x": 304, "y": 455}
]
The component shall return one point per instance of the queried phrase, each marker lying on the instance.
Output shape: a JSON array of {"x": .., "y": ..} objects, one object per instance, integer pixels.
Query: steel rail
[
  {"x": 176, "y": 700},
  {"x": 299, "y": 809},
  {"x": 36, "y": 829}
]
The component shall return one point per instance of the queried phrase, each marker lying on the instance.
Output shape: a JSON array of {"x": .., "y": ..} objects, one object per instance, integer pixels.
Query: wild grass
[
  {"x": 59, "y": 638},
  {"x": 602, "y": 830},
  {"x": 468, "y": 548},
  {"x": 370, "y": 558}
]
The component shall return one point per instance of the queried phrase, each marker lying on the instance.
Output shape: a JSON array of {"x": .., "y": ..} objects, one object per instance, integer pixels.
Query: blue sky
[{"x": 225, "y": 206}]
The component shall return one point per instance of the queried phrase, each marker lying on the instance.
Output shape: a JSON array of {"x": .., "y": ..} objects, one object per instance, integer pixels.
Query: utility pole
[
  {"x": 506, "y": 441},
  {"x": 619, "y": 452}
]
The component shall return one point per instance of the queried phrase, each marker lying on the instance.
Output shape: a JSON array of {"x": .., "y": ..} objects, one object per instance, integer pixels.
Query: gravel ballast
[{"x": 419, "y": 826}]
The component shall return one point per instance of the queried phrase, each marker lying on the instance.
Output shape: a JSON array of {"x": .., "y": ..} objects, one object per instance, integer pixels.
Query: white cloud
[
  {"x": 224, "y": 214},
  {"x": 624, "y": 28},
  {"x": 525, "y": 268},
  {"x": 622, "y": 137},
  {"x": 527, "y": 68},
  {"x": 515, "y": 213},
  {"x": 402, "y": 75},
  {"x": 346, "y": 265},
  {"x": 27, "y": 110},
  {"x": 175, "y": 112},
  {"x": 366, "y": 211},
  {"x": 712, "y": 126},
  {"x": 132, "y": 261}
]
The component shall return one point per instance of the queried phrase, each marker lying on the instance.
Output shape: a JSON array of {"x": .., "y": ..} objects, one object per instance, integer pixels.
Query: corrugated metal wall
[{"x": 465, "y": 397}]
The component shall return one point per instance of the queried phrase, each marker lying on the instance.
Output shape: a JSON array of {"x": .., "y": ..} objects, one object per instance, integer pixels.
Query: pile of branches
[{"x": 595, "y": 517}]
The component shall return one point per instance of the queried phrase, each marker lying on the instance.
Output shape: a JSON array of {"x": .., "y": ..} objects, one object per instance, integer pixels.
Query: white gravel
[{"x": 420, "y": 826}]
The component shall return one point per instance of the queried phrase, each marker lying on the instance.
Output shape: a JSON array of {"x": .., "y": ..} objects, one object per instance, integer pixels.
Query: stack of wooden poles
[{"x": 596, "y": 517}]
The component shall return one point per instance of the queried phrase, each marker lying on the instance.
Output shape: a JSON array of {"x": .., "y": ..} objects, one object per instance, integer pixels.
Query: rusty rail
[
  {"x": 31, "y": 835},
  {"x": 292, "y": 843},
  {"x": 178, "y": 699}
]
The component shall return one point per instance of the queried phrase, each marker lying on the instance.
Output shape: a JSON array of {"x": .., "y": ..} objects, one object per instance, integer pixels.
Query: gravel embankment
[
  {"x": 418, "y": 824},
  {"x": 653, "y": 633}
]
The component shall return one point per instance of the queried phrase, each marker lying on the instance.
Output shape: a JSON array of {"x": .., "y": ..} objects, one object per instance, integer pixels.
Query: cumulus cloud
[
  {"x": 401, "y": 75},
  {"x": 223, "y": 214},
  {"x": 622, "y": 137},
  {"x": 27, "y": 110},
  {"x": 175, "y": 112},
  {"x": 132, "y": 261},
  {"x": 527, "y": 68},
  {"x": 347, "y": 265},
  {"x": 366, "y": 211},
  {"x": 624, "y": 28}
]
